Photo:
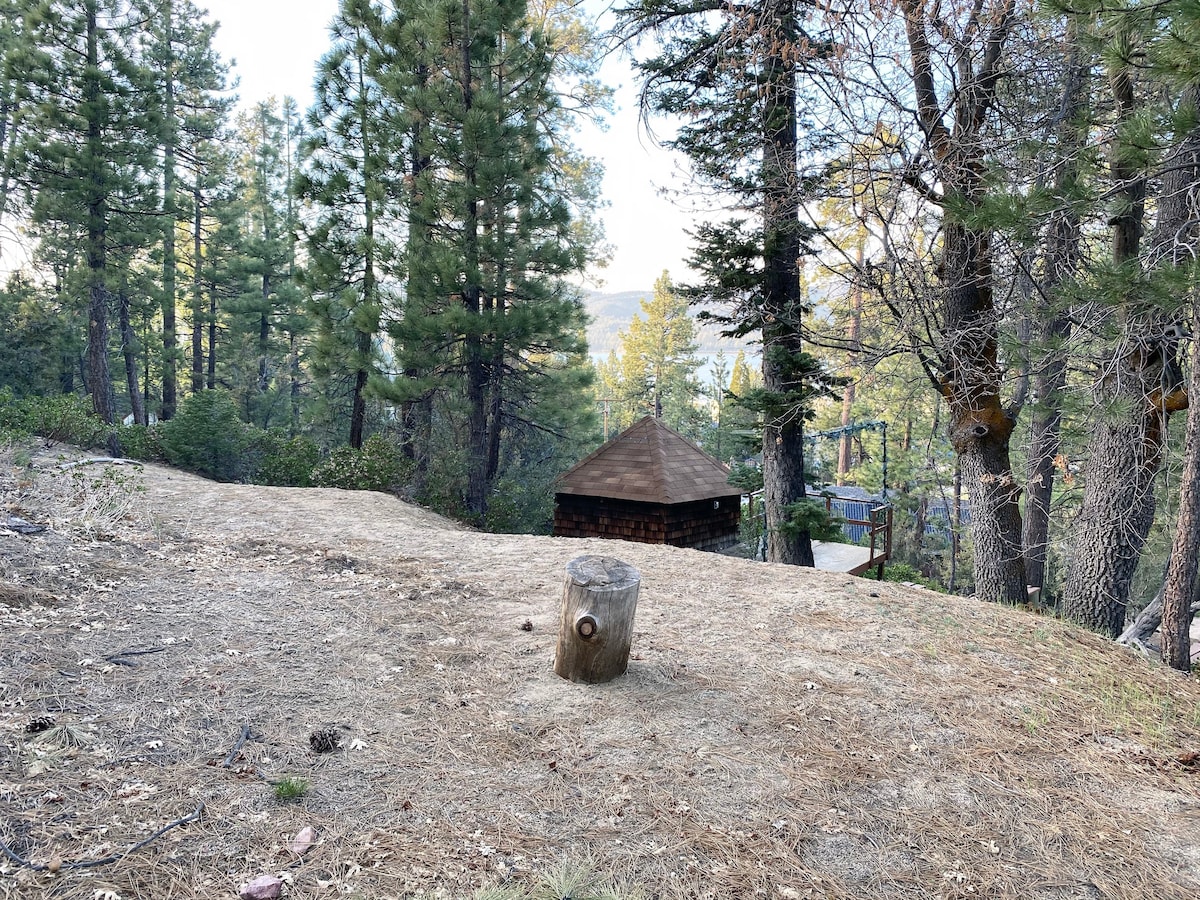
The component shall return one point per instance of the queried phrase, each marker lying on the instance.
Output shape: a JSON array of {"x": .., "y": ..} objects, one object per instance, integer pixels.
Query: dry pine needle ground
[{"x": 780, "y": 733}]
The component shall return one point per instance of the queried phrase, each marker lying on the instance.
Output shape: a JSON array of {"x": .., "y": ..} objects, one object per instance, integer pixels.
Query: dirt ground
[{"x": 780, "y": 732}]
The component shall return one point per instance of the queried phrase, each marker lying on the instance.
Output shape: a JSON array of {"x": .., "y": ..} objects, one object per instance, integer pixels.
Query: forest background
[{"x": 976, "y": 222}]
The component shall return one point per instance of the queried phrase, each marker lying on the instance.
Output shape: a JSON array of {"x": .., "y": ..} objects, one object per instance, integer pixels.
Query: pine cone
[
  {"x": 38, "y": 724},
  {"x": 325, "y": 740}
]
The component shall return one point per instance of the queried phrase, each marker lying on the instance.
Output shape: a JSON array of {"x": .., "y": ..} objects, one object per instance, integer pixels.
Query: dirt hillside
[{"x": 780, "y": 732}]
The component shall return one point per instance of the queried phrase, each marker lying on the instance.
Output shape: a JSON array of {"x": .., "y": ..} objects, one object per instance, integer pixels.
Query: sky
[{"x": 275, "y": 45}]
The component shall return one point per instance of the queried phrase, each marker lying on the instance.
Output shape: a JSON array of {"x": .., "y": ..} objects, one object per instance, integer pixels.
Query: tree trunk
[
  {"x": 1061, "y": 255},
  {"x": 1179, "y": 588},
  {"x": 980, "y": 428},
  {"x": 852, "y": 335},
  {"x": 211, "y": 362},
  {"x": 1142, "y": 387},
  {"x": 475, "y": 363},
  {"x": 197, "y": 290},
  {"x": 967, "y": 354},
  {"x": 596, "y": 619},
  {"x": 783, "y": 431},
  {"x": 358, "y": 401},
  {"x": 99, "y": 378},
  {"x": 129, "y": 352},
  {"x": 170, "y": 340}
]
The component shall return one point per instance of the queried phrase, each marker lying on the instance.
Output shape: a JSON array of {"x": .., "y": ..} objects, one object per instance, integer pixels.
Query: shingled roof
[{"x": 652, "y": 463}]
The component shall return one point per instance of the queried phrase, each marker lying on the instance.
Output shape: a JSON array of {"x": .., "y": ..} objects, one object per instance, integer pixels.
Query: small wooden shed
[{"x": 653, "y": 485}]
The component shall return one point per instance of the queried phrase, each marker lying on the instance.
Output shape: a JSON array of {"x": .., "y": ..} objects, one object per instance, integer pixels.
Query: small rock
[
  {"x": 264, "y": 887},
  {"x": 304, "y": 840}
]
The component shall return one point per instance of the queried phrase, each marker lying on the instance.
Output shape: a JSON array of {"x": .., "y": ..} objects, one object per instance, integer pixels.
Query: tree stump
[{"x": 599, "y": 600}]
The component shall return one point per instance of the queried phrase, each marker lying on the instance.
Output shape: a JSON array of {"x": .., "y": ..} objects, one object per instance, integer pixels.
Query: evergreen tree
[
  {"x": 492, "y": 222},
  {"x": 658, "y": 361},
  {"x": 731, "y": 73},
  {"x": 87, "y": 151},
  {"x": 347, "y": 158}
]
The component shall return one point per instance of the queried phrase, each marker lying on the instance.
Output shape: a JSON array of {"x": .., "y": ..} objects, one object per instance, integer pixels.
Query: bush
[
  {"x": 378, "y": 466},
  {"x": 812, "y": 516},
  {"x": 141, "y": 442},
  {"x": 208, "y": 437},
  {"x": 65, "y": 418},
  {"x": 282, "y": 461}
]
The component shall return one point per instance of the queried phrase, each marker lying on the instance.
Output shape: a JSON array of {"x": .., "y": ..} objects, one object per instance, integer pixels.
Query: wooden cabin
[{"x": 653, "y": 485}]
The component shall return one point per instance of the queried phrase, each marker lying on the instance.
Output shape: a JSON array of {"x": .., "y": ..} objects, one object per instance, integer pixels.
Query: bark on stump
[{"x": 596, "y": 626}]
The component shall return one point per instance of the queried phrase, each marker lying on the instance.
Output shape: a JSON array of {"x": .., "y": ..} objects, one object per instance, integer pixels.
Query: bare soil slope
[{"x": 780, "y": 732}]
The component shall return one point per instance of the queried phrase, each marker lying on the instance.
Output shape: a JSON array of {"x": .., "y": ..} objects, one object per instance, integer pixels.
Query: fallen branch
[
  {"x": 241, "y": 742},
  {"x": 103, "y": 861},
  {"x": 94, "y": 460},
  {"x": 1147, "y": 622},
  {"x": 120, "y": 660}
]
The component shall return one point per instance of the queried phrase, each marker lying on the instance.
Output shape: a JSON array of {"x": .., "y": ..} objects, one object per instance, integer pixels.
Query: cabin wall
[{"x": 703, "y": 524}]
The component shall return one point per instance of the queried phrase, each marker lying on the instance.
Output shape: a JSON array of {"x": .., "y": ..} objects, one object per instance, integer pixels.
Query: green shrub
[
  {"x": 283, "y": 461},
  {"x": 812, "y": 516},
  {"x": 208, "y": 437},
  {"x": 66, "y": 418},
  {"x": 378, "y": 466},
  {"x": 141, "y": 442}
]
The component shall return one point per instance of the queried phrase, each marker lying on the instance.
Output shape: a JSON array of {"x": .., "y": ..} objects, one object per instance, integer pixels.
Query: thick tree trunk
[
  {"x": 967, "y": 355},
  {"x": 358, "y": 401},
  {"x": 1061, "y": 255},
  {"x": 1141, "y": 388},
  {"x": 211, "y": 361},
  {"x": 783, "y": 431},
  {"x": 1117, "y": 512},
  {"x": 980, "y": 427}
]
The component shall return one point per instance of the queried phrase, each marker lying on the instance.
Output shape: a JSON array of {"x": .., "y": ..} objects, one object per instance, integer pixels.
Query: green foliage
[
  {"x": 566, "y": 881},
  {"x": 378, "y": 466},
  {"x": 812, "y": 516},
  {"x": 208, "y": 437},
  {"x": 283, "y": 461},
  {"x": 290, "y": 789},
  {"x": 65, "y": 418},
  {"x": 748, "y": 478},
  {"x": 141, "y": 442},
  {"x": 906, "y": 572}
]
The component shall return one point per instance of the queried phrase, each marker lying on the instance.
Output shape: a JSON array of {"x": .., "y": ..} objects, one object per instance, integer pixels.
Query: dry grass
[{"x": 780, "y": 733}]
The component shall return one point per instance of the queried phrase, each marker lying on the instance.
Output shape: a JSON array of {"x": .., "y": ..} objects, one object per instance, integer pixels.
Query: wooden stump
[{"x": 599, "y": 600}]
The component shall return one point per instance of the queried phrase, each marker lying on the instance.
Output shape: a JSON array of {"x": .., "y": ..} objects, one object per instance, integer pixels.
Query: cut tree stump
[{"x": 596, "y": 627}]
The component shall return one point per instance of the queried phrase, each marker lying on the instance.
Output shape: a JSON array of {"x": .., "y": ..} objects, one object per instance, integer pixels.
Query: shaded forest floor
[{"x": 780, "y": 732}]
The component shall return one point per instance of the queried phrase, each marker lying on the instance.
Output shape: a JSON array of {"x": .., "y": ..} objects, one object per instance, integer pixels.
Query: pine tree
[
  {"x": 87, "y": 151},
  {"x": 658, "y": 362},
  {"x": 347, "y": 158},
  {"x": 732, "y": 74},
  {"x": 492, "y": 228}
]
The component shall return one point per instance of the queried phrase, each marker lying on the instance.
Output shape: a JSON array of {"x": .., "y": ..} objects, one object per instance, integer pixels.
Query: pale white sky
[{"x": 276, "y": 43}]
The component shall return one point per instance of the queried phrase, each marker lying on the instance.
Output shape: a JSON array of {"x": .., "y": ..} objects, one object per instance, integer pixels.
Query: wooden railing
[{"x": 878, "y": 525}]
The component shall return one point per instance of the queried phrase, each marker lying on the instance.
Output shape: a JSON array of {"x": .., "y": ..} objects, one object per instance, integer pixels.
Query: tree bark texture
[
  {"x": 1140, "y": 389},
  {"x": 783, "y": 431},
  {"x": 1060, "y": 261},
  {"x": 1180, "y": 585},
  {"x": 596, "y": 620},
  {"x": 967, "y": 356}
]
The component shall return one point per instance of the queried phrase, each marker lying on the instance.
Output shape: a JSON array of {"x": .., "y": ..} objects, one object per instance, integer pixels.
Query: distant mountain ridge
[{"x": 611, "y": 313}]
